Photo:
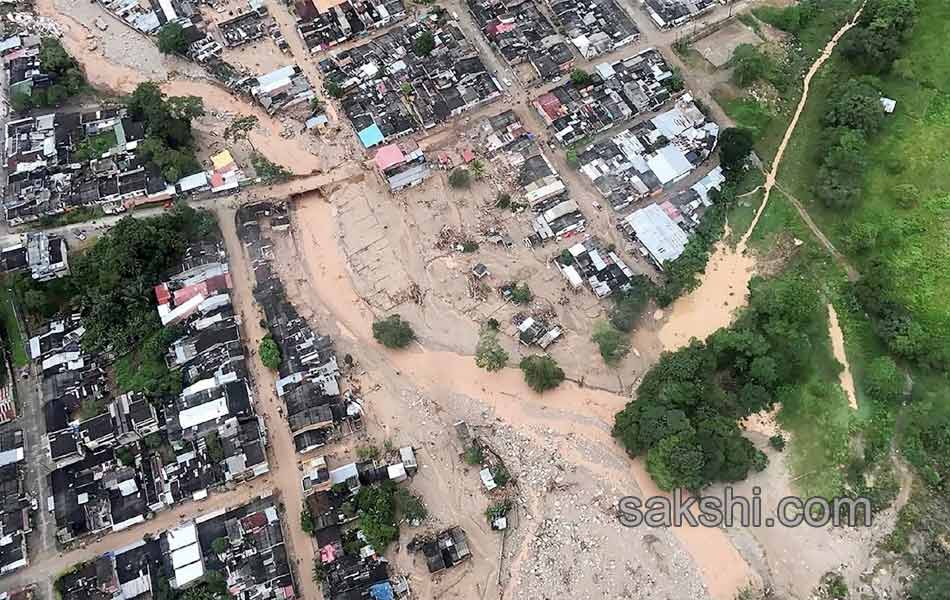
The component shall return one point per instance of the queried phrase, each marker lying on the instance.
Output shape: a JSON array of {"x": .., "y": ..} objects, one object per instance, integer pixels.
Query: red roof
[
  {"x": 549, "y": 104},
  {"x": 255, "y": 521},
  {"x": 211, "y": 284},
  {"x": 389, "y": 156},
  {"x": 467, "y": 155},
  {"x": 162, "y": 294}
]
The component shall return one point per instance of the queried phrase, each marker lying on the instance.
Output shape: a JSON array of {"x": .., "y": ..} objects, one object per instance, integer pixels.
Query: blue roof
[
  {"x": 381, "y": 591},
  {"x": 371, "y": 136}
]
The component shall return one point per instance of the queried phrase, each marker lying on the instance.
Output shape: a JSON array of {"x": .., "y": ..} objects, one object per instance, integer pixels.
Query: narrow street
[{"x": 285, "y": 468}]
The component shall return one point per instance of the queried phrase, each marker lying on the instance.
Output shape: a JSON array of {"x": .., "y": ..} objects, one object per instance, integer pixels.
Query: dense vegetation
[
  {"x": 169, "y": 142},
  {"x": 65, "y": 73},
  {"x": 489, "y": 354},
  {"x": 269, "y": 352},
  {"x": 685, "y": 417}
]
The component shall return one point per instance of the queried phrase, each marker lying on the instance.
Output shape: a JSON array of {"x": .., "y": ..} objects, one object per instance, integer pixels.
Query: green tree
[
  {"x": 613, "y": 344},
  {"x": 393, "y": 332},
  {"x": 932, "y": 584},
  {"x": 629, "y": 305},
  {"x": 376, "y": 506},
  {"x": 777, "y": 442},
  {"x": 581, "y": 78},
  {"x": 749, "y": 65},
  {"x": 489, "y": 354},
  {"x": 21, "y": 102},
  {"x": 477, "y": 168},
  {"x": 855, "y": 104},
  {"x": 220, "y": 545},
  {"x": 460, "y": 178},
  {"x": 267, "y": 170},
  {"x": 410, "y": 506},
  {"x": 270, "y": 353},
  {"x": 214, "y": 448},
  {"x": 171, "y": 39},
  {"x": 676, "y": 462},
  {"x": 541, "y": 373},
  {"x": 334, "y": 89},
  {"x": 735, "y": 145},
  {"x": 424, "y": 44}
]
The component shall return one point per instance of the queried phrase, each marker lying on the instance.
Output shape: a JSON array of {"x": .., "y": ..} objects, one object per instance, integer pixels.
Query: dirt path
[
  {"x": 725, "y": 283},
  {"x": 770, "y": 177},
  {"x": 285, "y": 469},
  {"x": 837, "y": 345},
  {"x": 852, "y": 273}
]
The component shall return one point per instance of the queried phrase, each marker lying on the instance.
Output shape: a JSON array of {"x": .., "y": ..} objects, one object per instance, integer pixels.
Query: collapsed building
[
  {"x": 323, "y": 24},
  {"x": 524, "y": 37},
  {"x": 51, "y": 168},
  {"x": 280, "y": 89},
  {"x": 388, "y": 90},
  {"x": 616, "y": 93},
  {"x": 644, "y": 159},
  {"x": 119, "y": 457},
  {"x": 602, "y": 269},
  {"x": 317, "y": 410}
]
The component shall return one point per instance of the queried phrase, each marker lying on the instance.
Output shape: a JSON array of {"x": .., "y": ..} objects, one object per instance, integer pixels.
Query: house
[{"x": 402, "y": 165}]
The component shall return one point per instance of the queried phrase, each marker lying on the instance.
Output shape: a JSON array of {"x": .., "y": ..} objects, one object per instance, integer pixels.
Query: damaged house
[{"x": 594, "y": 27}]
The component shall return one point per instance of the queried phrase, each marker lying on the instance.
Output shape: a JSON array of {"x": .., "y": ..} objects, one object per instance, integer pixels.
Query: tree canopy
[
  {"x": 393, "y": 332},
  {"x": 270, "y": 353},
  {"x": 489, "y": 354},
  {"x": 612, "y": 343},
  {"x": 169, "y": 138},
  {"x": 541, "y": 373},
  {"x": 735, "y": 145},
  {"x": 749, "y": 65},
  {"x": 685, "y": 416},
  {"x": 424, "y": 44},
  {"x": 171, "y": 39}
]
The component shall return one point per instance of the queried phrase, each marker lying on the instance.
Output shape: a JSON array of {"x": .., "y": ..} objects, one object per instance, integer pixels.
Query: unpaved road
[{"x": 724, "y": 285}]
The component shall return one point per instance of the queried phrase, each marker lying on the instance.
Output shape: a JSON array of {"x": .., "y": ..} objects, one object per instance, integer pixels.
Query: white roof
[
  {"x": 209, "y": 411},
  {"x": 186, "y": 575},
  {"x": 128, "y": 487},
  {"x": 661, "y": 236},
  {"x": 573, "y": 277},
  {"x": 341, "y": 474},
  {"x": 11, "y": 456},
  {"x": 669, "y": 164},
  {"x": 193, "y": 182},
  {"x": 186, "y": 556},
  {"x": 181, "y": 536},
  {"x": 564, "y": 208}
]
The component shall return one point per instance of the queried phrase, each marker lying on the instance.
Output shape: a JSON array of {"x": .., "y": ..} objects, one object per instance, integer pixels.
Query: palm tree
[{"x": 478, "y": 168}]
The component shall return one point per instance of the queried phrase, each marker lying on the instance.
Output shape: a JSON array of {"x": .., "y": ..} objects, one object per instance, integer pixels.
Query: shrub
[
  {"x": 460, "y": 178},
  {"x": 777, "y": 442},
  {"x": 368, "y": 452},
  {"x": 393, "y": 332},
  {"x": 521, "y": 293},
  {"x": 501, "y": 475},
  {"x": 489, "y": 354},
  {"x": 580, "y": 77},
  {"x": 469, "y": 246},
  {"x": 541, "y": 373},
  {"x": 474, "y": 456},
  {"x": 220, "y": 545},
  {"x": 497, "y": 510},
  {"x": 410, "y": 506},
  {"x": 503, "y": 200},
  {"x": 424, "y": 44}
]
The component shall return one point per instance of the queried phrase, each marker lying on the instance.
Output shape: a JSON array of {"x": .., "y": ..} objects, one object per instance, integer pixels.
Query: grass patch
[
  {"x": 13, "y": 336},
  {"x": 77, "y": 215},
  {"x": 911, "y": 149}
]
